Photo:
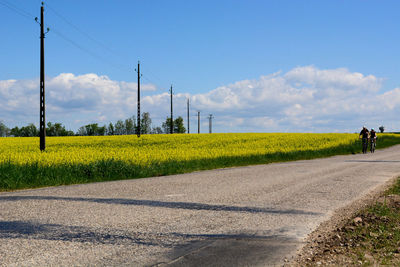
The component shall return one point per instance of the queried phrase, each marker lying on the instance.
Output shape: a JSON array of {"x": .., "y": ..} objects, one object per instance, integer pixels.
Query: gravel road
[{"x": 246, "y": 216}]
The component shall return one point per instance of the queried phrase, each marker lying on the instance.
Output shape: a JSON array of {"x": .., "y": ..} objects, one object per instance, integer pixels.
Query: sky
[{"x": 256, "y": 65}]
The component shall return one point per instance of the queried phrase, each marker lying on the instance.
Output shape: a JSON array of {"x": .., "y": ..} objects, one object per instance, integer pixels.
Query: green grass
[
  {"x": 380, "y": 236},
  {"x": 21, "y": 176},
  {"x": 395, "y": 189},
  {"x": 376, "y": 240}
]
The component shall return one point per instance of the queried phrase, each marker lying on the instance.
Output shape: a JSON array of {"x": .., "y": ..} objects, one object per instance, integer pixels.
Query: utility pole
[
  {"x": 188, "y": 122},
  {"x": 138, "y": 99},
  {"x": 172, "y": 119},
  {"x": 210, "y": 117},
  {"x": 198, "y": 122},
  {"x": 42, "y": 88}
]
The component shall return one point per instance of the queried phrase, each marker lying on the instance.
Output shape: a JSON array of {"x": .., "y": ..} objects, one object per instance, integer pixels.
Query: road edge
[{"x": 337, "y": 220}]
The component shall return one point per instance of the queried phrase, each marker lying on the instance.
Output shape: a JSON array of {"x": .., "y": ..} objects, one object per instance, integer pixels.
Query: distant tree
[
  {"x": 50, "y": 130},
  {"x": 178, "y": 125},
  {"x": 91, "y": 129},
  {"x": 130, "y": 126},
  {"x": 28, "y": 131},
  {"x": 101, "y": 130},
  {"x": 15, "y": 131},
  {"x": 145, "y": 127},
  {"x": 156, "y": 130},
  {"x": 69, "y": 133},
  {"x": 119, "y": 127},
  {"x": 110, "y": 129},
  {"x": 166, "y": 126},
  {"x": 81, "y": 131},
  {"x": 57, "y": 129},
  {"x": 4, "y": 130},
  {"x": 382, "y": 129}
]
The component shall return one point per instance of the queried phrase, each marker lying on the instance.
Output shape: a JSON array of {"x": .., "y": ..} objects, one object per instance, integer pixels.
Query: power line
[
  {"x": 152, "y": 82},
  {"x": 28, "y": 15},
  {"x": 145, "y": 76},
  {"x": 80, "y": 31},
  {"x": 159, "y": 83},
  {"x": 122, "y": 67},
  {"x": 87, "y": 51},
  {"x": 17, "y": 10},
  {"x": 153, "y": 76}
]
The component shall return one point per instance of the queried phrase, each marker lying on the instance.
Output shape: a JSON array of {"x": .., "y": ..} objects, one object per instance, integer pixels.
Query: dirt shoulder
[{"x": 344, "y": 239}]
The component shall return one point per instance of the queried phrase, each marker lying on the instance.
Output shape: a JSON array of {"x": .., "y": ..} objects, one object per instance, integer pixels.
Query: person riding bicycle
[
  {"x": 364, "y": 134},
  {"x": 372, "y": 140}
]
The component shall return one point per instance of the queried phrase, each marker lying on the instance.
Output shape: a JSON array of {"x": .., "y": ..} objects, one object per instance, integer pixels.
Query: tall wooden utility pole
[
  {"x": 138, "y": 99},
  {"x": 210, "y": 117},
  {"x": 42, "y": 91},
  {"x": 188, "y": 122},
  {"x": 198, "y": 122},
  {"x": 172, "y": 119}
]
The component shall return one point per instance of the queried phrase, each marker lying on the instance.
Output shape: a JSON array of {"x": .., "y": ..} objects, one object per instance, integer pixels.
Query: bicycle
[
  {"x": 364, "y": 134},
  {"x": 373, "y": 144},
  {"x": 365, "y": 145}
]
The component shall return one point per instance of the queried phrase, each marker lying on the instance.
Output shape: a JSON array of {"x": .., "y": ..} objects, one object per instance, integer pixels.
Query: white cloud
[{"x": 305, "y": 99}]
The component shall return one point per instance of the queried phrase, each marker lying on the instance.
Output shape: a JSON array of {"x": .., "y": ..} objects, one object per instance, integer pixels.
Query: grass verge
[{"x": 370, "y": 238}]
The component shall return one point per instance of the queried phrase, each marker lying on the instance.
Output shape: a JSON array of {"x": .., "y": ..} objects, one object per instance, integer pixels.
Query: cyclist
[
  {"x": 372, "y": 140},
  {"x": 364, "y": 134}
]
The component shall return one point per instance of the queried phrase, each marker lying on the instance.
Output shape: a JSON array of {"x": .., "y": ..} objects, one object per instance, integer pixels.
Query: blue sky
[{"x": 205, "y": 48}]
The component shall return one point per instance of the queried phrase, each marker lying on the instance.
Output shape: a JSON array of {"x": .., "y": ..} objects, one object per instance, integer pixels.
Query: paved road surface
[{"x": 247, "y": 216}]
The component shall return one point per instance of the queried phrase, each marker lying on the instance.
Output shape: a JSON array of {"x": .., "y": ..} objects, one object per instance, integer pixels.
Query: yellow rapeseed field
[
  {"x": 79, "y": 159},
  {"x": 160, "y": 148}
]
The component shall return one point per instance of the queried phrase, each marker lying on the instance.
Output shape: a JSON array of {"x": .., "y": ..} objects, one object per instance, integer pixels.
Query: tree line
[{"x": 121, "y": 127}]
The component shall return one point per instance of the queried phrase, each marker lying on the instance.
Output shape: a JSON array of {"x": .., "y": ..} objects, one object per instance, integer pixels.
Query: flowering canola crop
[
  {"x": 159, "y": 148},
  {"x": 160, "y": 154}
]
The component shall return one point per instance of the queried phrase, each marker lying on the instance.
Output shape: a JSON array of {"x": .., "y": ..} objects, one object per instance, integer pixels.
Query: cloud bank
[{"x": 305, "y": 99}]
